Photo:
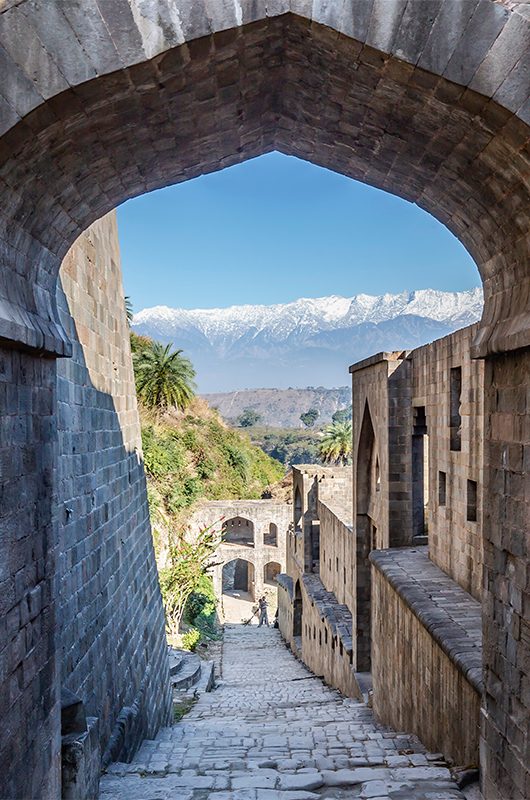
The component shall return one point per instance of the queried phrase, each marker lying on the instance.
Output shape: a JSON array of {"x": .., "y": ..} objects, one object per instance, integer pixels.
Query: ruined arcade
[{"x": 106, "y": 99}]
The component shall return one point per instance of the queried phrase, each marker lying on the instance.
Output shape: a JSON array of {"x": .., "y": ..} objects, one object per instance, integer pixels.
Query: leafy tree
[
  {"x": 129, "y": 313},
  {"x": 139, "y": 343},
  {"x": 342, "y": 415},
  {"x": 164, "y": 379},
  {"x": 188, "y": 562},
  {"x": 336, "y": 445},
  {"x": 310, "y": 417},
  {"x": 248, "y": 418}
]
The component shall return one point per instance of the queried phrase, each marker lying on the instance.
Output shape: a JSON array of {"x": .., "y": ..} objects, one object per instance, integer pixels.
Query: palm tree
[
  {"x": 163, "y": 379},
  {"x": 336, "y": 444},
  {"x": 129, "y": 313}
]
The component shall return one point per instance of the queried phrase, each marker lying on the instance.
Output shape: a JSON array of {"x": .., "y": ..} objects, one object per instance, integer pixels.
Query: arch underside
[{"x": 277, "y": 84}]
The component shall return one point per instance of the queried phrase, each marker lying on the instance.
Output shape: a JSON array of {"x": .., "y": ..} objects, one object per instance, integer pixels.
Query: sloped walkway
[{"x": 273, "y": 731}]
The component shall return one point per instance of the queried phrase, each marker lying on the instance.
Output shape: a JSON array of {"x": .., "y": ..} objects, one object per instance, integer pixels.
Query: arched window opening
[
  {"x": 270, "y": 537},
  {"x": 239, "y": 530},
  {"x": 271, "y": 572},
  {"x": 298, "y": 610}
]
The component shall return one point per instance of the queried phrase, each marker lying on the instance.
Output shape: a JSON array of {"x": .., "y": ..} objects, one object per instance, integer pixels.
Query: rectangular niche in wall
[
  {"x": 455, "y": 419},
  {"x": 472, "y": 501},
  {"x": 420, "y": 472},
  {"x": 442, "y": 488}
]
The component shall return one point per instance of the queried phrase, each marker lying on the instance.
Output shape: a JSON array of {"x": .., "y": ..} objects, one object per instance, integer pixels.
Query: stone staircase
[{"x": 190, "y": 675}]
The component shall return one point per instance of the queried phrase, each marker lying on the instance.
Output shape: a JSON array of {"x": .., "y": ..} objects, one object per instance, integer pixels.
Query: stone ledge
[
  {"x": 377, "y": 358},
  {"x": 286, "y": 583},
  {"x": 450, "y": 615},
  {"x": 24, "y": 330},
  {"x": 337, "y": 615}
]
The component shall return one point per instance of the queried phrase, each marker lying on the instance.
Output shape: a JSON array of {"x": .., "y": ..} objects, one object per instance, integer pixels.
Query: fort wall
[
  {"x": 390, "y": 608},
  {"x": 111, "y": 620},
  {"x": 456, "y": 453}
]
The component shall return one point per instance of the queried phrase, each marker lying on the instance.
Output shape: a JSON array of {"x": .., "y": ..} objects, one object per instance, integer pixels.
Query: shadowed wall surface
[{"x": 110, "y": 609}]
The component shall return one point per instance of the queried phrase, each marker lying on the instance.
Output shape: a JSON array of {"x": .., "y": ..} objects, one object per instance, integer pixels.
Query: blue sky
[{"x": 276, "y": 228}]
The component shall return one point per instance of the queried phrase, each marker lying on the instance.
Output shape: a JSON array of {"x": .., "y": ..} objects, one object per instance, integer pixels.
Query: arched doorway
[
  {"x": 298, "y": 611},
  {"x": 270, "y": 537},
  {"x": 270, "y": 572},
  {"x": 337, "y": 87},
  {"x": 239, "y": 530},
  {"x": 297, "y": 509},
  {"x": 238, "y": 577},
  {"x": 367, "y": 465}
]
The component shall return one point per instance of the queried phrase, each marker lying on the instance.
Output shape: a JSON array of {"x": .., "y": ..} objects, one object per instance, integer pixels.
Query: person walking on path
[{"x": 263, "y": 617}]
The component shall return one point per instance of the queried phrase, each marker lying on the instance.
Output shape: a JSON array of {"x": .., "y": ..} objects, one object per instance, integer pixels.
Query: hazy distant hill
[
  {"x": 281, "y": 407},
  {"x": 307, "y": 342}
]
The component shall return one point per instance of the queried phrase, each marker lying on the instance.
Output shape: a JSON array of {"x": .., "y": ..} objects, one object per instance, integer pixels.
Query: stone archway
[
  {"x": 270, "y": 572},
  {"x": 365, "y": 539},
  {"x": 238, "y": 576},
  {"x": 298, "y": 611},
  {"x": 239, "y": 531},
  {"x": 123, "y": 97}
]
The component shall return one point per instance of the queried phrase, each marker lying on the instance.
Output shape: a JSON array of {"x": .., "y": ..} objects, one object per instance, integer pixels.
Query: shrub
[{"x": 191, "y": 639}]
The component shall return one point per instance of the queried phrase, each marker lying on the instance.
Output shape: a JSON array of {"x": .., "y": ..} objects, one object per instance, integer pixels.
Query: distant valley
[
  {"x": 281, "y": 407},
  {"x": 309, "y": 342}
]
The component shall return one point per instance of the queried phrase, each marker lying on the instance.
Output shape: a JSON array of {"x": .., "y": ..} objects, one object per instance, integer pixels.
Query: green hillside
[{"x": 194, "y": 455}]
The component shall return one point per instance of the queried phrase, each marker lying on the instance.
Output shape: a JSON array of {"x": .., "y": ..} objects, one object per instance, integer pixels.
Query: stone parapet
[
  {"x": 426, "y": 653},
  {"x": 450, "y": 615},
  {"x": 336, "y": 615}
]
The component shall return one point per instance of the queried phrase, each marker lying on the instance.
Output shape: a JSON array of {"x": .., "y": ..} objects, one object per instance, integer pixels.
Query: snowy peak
[
  {"x": 308, "y": 342},
  {"x": 316, "y": 313}
]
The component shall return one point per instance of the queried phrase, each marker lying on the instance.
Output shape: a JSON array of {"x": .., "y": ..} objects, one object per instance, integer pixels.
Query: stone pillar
[
  {"x": 506, "y": 603},
  {"x": 30, "y": 731}
]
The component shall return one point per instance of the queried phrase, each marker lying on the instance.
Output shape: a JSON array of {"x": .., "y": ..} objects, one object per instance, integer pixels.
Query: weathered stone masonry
[
  {"x": 113, "y": 649},
  {"x": 105, "y": 101},
  {"x": 259, "y": 545},
  {"x": 376, "y": 612}
]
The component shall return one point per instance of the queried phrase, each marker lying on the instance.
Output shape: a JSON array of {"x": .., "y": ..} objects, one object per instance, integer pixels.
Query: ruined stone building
[
  {"x": 104, "y": 100},
  {"x": 384, "y": 569},
  {"x": 252, "y": 552}
]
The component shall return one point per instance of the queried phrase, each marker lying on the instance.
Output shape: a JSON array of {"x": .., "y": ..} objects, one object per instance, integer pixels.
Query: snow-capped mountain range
[{"x": 310, "y": 341}]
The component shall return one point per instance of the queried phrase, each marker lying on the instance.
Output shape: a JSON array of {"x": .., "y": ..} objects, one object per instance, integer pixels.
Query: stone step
[
  {"x": 188, "y": 672},
  {"x": 176, "y": 660}
]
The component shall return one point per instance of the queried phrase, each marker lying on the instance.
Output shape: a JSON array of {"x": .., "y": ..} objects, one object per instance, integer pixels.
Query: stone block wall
[
  {"x": 337, "y": 554},
  {"x": 381, "y": 393},
  {"x": 324, "y": 643},
  {"x": 455, "y": 541},
  {"x": 30, "y": 731},
  {"x": 322, "y": 587},
  {"x": 110, "y": 617},
  {"x": 505, "y": 741},
  {"x": 426, "y": 677},
  {"x": 407, "y": 393}
]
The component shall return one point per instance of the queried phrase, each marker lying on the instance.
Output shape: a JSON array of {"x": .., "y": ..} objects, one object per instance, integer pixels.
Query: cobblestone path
[{"x": 273, "y": 731}]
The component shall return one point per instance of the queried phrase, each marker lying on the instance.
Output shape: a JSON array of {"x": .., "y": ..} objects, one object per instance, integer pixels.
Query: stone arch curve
[
  {"x": 241, "y": 577},
  {"x": 128, "y": 96},
  {"x": 115, "y": 99},
  {"x": 224, "y": 558}
]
